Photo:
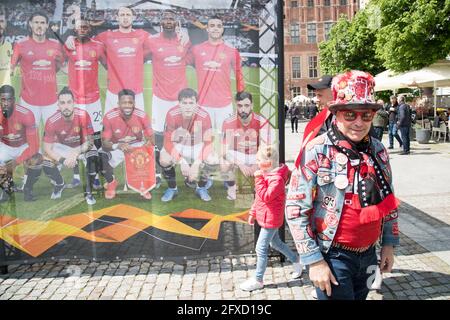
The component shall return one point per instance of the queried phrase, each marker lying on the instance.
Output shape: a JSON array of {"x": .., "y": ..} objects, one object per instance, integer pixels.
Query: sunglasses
[{"x": 350, "y": 115}]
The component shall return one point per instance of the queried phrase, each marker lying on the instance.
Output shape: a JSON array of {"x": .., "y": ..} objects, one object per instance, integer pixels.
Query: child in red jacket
[{"x": 268, "y": 211}]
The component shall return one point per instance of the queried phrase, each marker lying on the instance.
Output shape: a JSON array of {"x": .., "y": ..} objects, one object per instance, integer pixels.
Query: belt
[{"x": 352, "y": 249}]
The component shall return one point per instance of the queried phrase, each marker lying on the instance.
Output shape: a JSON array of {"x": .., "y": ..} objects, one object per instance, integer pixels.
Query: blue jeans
[
  {"x": 394, "y": 133},
  {"x": 352, "y": 272},
  {"x": 404, "y": 131},
  {"x": 270, "y": 237}
]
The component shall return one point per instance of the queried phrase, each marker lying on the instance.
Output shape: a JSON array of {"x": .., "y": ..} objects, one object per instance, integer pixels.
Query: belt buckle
[{"x": 348, "y": 202}]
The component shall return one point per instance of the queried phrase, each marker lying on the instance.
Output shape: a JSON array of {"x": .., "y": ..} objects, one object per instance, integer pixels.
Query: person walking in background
[
  {"x": 312, "y": 110},
  {"x": 380, "y": 121},
  {"x": 294, "y": 112},
  {"x": 268, "y": 211},
  {"x": 404, "y": 123},
  {"x": 392, "y": 109}
]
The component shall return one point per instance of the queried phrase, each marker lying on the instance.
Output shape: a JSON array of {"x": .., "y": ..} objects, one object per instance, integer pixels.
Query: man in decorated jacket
[{"x": 341, "y": 202}]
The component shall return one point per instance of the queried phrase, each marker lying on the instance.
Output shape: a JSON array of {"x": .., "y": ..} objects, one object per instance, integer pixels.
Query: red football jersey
[
  {"x": 38, "y": 66},
  {"x": 169, "y": 66},
  {"x": 246, "y": 139},
  {"x": 70, "y": 133},
  {"x": 188, "y": 132},
  {"x": 118, "y": 130},
  {"x": 19, "y": 129},
  {"x": 125, "y": 57},
  {"x": 213, "y": 64},
  {"x": 83, "y": 70}
]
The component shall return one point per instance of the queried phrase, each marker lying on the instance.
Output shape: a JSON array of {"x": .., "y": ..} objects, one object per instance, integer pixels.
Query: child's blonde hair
[{"x": 268, "y": 153}]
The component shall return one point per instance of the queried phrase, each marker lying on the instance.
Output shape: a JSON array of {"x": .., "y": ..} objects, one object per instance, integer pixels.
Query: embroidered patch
[
  {"x": 296, "y": 196},
  {"x": 297, "y": 232},
  {"x": 329, "y": 203},
  {"x": 324, "y": 162},
  {"x": 391, "y": 216},
  {"x": 302, "y": 247},
  {"x": 331, "y": 220},
  {"x": 293, "y": 212},
  {"x": 313, "y": 166},
  {"x": 395, "y": 229},
  {"x": 295, "y": 180},
  {"x": 306, "y": 174}
]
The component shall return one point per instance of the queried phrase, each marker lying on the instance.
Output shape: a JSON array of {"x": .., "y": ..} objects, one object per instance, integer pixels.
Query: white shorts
[
  {"x": 112, "y": 101},
  {"x": 65, "y": 151},
  {"x": 8, "y": 153},
  {"x": 218, "y": 116},
  {"x": 40, "y": 112},
  {"x": 236, "y": 156},
  {"x": 117, "y": 156},
  {"x": 95, "y": 112},
  {"x": 189, "y": 153},
  {"x": 159, "y": 112}
]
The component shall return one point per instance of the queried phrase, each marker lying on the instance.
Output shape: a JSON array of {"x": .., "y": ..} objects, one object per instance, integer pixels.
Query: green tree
[
  {"x": 351, "y": 46},
  {"x": 413, "y": 33}
]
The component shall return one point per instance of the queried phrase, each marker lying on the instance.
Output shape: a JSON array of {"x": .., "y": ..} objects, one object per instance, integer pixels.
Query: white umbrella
[{"x": 300, "y": 99}]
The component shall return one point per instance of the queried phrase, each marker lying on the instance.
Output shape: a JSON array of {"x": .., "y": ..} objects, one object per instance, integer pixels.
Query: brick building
[{"x": 306, "y": 24}]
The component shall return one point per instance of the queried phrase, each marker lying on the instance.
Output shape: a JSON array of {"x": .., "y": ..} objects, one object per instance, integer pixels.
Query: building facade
[{"x": 306, "y": 24}]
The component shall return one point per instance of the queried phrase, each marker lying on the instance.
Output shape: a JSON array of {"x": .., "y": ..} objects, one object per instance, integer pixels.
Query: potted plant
[{"x": 422, "y": 108}]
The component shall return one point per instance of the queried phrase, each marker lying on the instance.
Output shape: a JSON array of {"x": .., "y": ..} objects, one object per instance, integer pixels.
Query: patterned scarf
[{"x": 375, "y": 194}]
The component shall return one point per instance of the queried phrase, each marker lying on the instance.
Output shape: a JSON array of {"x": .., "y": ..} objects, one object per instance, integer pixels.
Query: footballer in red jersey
[
  {"x": 83, "y": 64},
  {"x": 242, "y": 134},
  {"x": 19, "y": 143},
  {"x": 125, "y": 49},
  {"x": 40, "y": 59},
  {"x": 68, "y": 138},
  {"x": 124, "y": 128},
  {"x": 214, "y": 61},
  {"x": 187, "y": 141}
]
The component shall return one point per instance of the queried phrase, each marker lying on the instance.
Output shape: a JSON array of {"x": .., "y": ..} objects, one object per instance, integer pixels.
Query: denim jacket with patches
[{"x": 312, "y": 189}]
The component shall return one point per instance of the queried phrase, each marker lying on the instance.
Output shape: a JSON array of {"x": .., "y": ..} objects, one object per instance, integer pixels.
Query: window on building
[
  {"x": 312, "y": 66},
  {"x": 343, "y": 2},
  {"x": 327, "y": 3},
  {"x": 327, "y": 28},
  {"x": 296, "y": 91},
  {"x": 296, "y": 71},
  {"x": 310, "y": 3},
  {"x": 311, "y": 31},
  {"x": 294, "y": 4},
  {"x": 295, "y": 33},
  {"x": 311, "y": 93}
]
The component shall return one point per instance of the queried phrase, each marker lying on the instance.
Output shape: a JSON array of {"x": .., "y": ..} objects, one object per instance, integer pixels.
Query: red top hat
[{"x": 353, "y": 90}]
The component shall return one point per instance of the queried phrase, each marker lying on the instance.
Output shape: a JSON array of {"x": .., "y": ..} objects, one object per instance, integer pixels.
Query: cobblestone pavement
[{"x": 421, "y": 271}]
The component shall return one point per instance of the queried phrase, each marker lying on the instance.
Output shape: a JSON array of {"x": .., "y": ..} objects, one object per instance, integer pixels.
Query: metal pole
[{"x": 281, "y": 115}]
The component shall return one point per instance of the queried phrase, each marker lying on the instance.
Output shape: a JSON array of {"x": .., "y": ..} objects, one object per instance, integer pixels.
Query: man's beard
[
  {"x": 66, "y": 114},
  {"x": 7, "y": 112},
  {"x": 243, "y": 115}
]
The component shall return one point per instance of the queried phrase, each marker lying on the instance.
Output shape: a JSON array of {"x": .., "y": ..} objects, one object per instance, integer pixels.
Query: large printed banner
[{"x": 130, "y": 128}]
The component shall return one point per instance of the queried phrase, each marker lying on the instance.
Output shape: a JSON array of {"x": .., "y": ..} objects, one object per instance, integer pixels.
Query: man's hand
[
  {"x": 387, "y": 259},
  {"x": 125, "y": 147},
  {"x": 251, "y": 220},
  {"x": 184, "y": 167},
  {"x": 258, "y": 173},
  {"x": 321, "y": 276},
  {"x": 70, "y": 43}
]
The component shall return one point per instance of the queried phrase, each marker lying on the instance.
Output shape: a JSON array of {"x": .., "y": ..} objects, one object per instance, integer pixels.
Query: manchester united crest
[
  {"x": 18, "y": 126},
  {"x": 50, "y": 52},
  {"x": 92, "y": 53},
  {"x": 135, "y": 40},
  {"x": 140, "y": 159},
  {"x": 222, "y": 56},
  {"x": 136, "y": 130},
  {"x": 76, "y": 129}
]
